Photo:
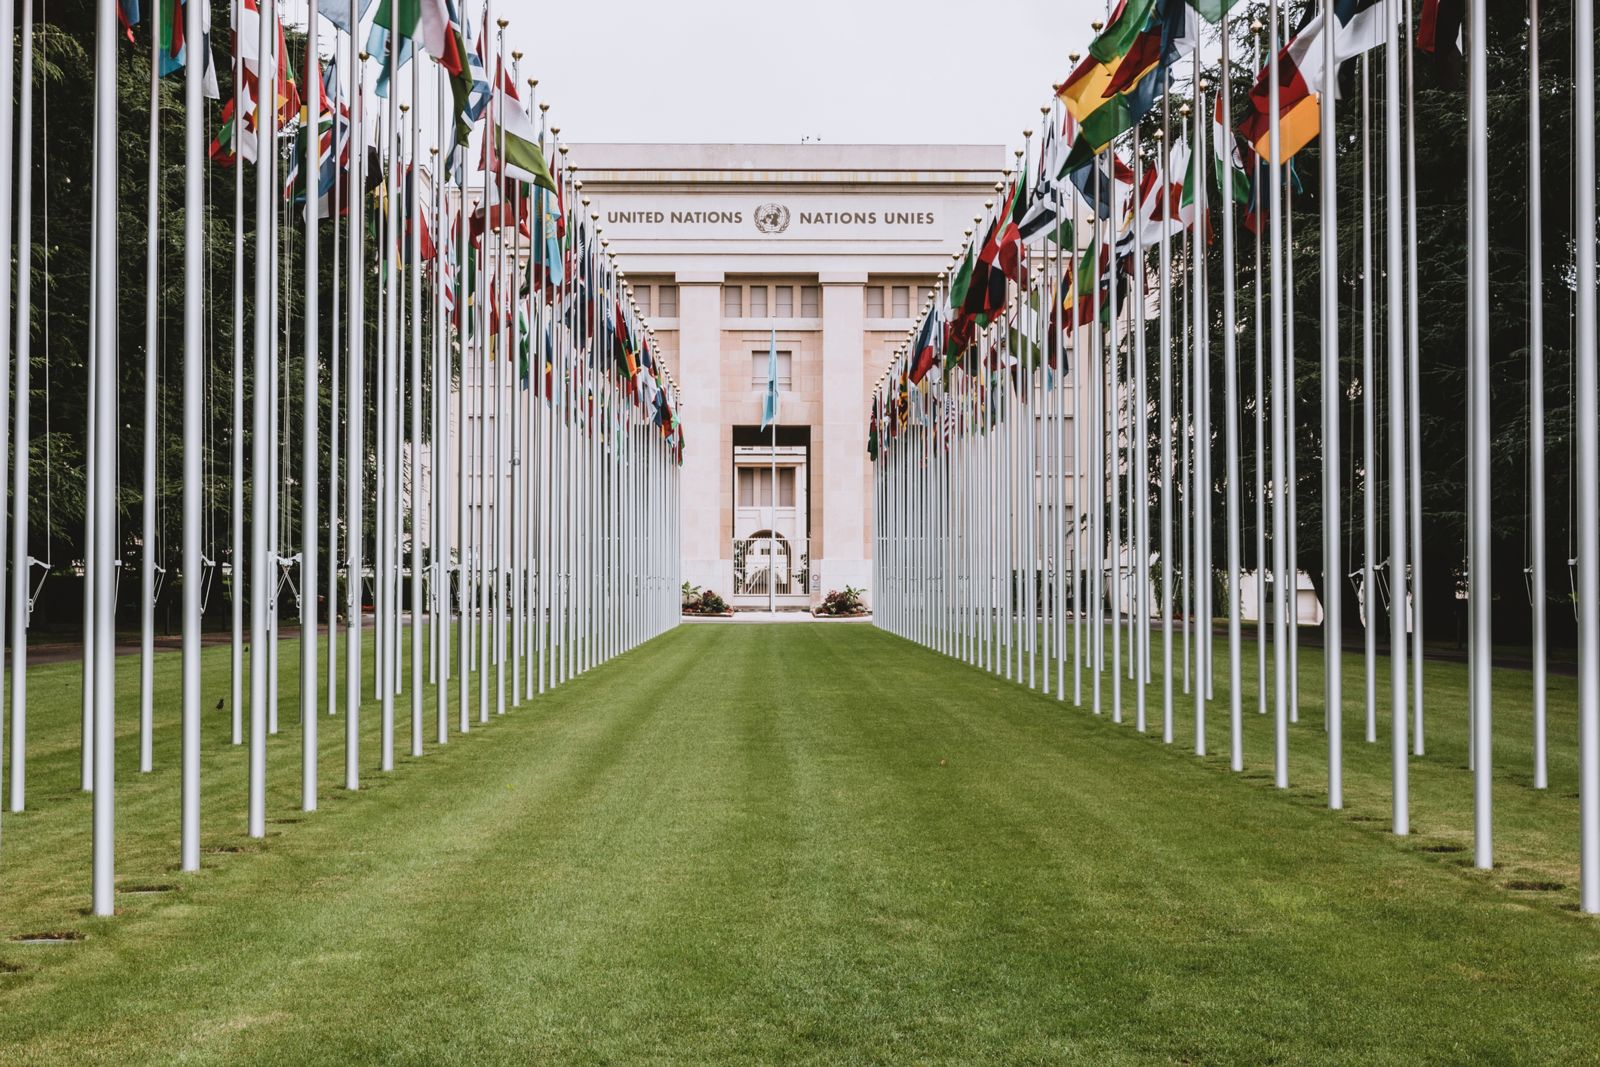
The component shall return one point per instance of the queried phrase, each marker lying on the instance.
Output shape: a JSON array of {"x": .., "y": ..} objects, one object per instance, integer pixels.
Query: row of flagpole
[
  {"x": 996, "y": 538},
  {"x": 495, "y": 414}
]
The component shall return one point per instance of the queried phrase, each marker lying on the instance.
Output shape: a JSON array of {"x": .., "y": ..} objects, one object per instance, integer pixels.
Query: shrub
[
  {"x": 702, "y": 601},
  {"x": 839, "y": 603}
]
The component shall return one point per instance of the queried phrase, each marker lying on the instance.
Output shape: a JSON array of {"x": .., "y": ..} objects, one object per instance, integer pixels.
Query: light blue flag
[
  {"x": 769, "y": 409},
  {"x": 338, "y": 12}
]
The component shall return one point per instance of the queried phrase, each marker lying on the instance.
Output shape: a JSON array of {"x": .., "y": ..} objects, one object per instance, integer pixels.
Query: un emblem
[{"x": 772, "y": 218}]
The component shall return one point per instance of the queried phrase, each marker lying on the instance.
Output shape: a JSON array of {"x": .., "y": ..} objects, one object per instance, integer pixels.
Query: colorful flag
[
  {"x": 1439, "y": 35},
  {"x": 1161, "y": 186},
  {"x": 174, "y": 51},
  {"x": 1359, "y": 26},
  {"x": 769, "y": 404},
  {"x": 513, "y": 143},
  {"x": 1047, "y": 201}
]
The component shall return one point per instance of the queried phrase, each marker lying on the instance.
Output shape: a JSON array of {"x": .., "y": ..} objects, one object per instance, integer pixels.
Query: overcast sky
[{"x": 844, "y": 71}]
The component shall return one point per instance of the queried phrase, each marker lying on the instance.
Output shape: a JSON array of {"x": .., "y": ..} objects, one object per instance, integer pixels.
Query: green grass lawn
[{"x": 801, "y": 843}]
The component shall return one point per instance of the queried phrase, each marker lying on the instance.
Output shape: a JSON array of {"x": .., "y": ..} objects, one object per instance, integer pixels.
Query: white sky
[{"x": 844, "y": 71}]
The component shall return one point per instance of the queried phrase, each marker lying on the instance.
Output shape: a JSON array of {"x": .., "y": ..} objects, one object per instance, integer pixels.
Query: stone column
[
  {"x": 700, "y": 375},
  {"x": 843, "y": 551}
]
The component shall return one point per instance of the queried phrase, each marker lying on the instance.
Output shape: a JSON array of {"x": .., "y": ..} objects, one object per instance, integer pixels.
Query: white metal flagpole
[
  {"x": 261, "y": 581},
  {"x": 310, "y": 407},
  {"x": 1394, "y": 266},
  {"x": 1588, "y": 464},
  {"x": 1480, "y": 504},
  {"x": 354, "y": 432},
  {"x": 19, "y": 573},
  {"x": 21, "y": 561},
  {"x": 148, "y": 534},
  {"x": 238, "y": 563},
  {"x": 1230, "y": 404},
  {"x": 194, "y": 353},
  {"x": 103, "y": 458},
  {"x": 1536, "y": 473},
  {"x": 1333, "y": 680}
]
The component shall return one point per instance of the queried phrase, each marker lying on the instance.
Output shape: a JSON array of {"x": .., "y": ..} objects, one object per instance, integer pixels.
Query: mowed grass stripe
[{"x": 740, "y": 842}]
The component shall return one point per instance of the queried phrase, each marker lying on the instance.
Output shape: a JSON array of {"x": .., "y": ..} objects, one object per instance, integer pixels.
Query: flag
[
  {"x": 431, "y": 25},
  {"x": 417, "y": 212},
  {"x": 872, "y": 430},
  {"x": 1226, "y": 145},
  {"x": 224, "y": 148},
  {"x": 545, "y": 258},
  {"x": 457, "y": 63},
  {"x": 1161, "y": 185},
  {"x": 128, "y": 16},
  {"x": 1100, "y": 196},
  {"x": 1212, "y": 10},
  {"x": 1078, "y": 288},
  {"x": 338, "y": 12},
  {"x": 769, "y": 406},
  {"x": 925, "y": 352},
  {"x": 513, "y": 138},
  {"x": 1439, "y": 35},
  {"x": 1123, "y": 76},
  {"x": 174, "y": 49},
  {"x": 1359, "y": 27},
  {"x": 1169, "y": 34},
  {"x": 1084, "y": 90},
  {"x": 247, "y": 34},
  {"x": 1042, "y": 212}
]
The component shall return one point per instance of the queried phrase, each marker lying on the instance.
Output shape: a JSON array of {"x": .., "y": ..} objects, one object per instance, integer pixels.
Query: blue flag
[{"x": 769, "y": 408}]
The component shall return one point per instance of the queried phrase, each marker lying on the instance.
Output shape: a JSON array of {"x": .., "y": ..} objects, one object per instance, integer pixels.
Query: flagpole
[
  {"x": 1183, "y": 365},
  {"x": 20, "y": 572},
  {"x": 515, "y": 521},
  {"x": 1230, "y": 404},
  {"x": 1163, "y": 314},
  {"x": 1480, "y": 648},
  {"x": 1201, "y": 384},
  {"x": 439, "y": 452},
  {"x": 1588, "y": 457},
  {"x": 1333, "y": 676},
  {"x": 772, "y": 525},
  {"x": 484, "y": 356},
  {"x": 389, "y": 414},
  {"x": 272, "y": 425},
  {"x": 261, "y": 584},
  {"x": 148, "y": 534},
  {"x": 104, "y": 454},
  {"x": 414, "y": 217},
  {"x": 1139, "y": 650},
  {"x": 310, "y": 403},
  {"x": 1113, "y": 396},
  {"x": 196, "y": 58},
  {"x": 1097, "y": 456},
  {"x": 1536, "y": 446},
  {"x": 354, "y": 430},
  {"x": 1394, "y": 267},
  {"x": 335, "y": 372},
  {"x": 1291, "y": 484},
  {"x": 21, "y": 561},
  {"x": 237, "y": 563},
  {"x": 1369, "y": 492},
  {"x": 1414, "y": 386},
  {"x": 1203, "y": 500},
  {"x": 1262, "y": 688},
  {"x": 462, "y": 489},
  {"x": 495, "y": 576},
  {"x": 1276, "y": 312}
]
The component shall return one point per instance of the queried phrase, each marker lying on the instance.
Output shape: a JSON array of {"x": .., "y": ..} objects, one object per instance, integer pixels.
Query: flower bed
[{"x": 842, "y": 604}]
